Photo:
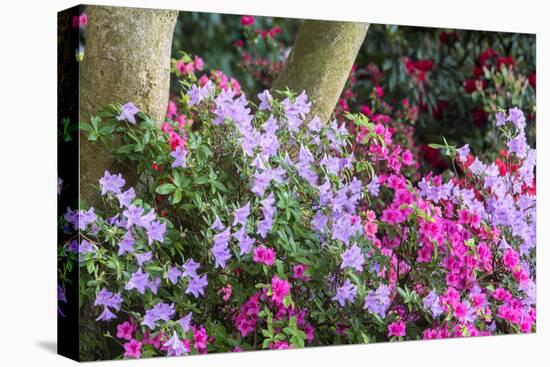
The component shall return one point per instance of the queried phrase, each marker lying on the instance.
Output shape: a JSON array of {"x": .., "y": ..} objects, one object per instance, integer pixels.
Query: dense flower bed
[{"x": 264, "y": 227}]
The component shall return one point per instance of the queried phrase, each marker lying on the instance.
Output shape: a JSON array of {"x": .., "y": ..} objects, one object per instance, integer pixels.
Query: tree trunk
[
  {"x": 127, "y": 59},
  {"x": 320, "y": 62}
]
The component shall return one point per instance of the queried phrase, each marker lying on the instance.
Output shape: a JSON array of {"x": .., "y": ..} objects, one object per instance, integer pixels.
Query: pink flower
[
  {"x": 80, "y": 21},
  {"x": 397, "y": 329},
  {"x": 264, "y": 255},
  {"x": 279, "y": 288},
  {"x": 83, "y": 20},
  {"x": 298, "y": 272},
  {"x": 125, "y": 330},
  {"x": 279, "y": 345},
  {"x": 510, "y": 259},
  {"x": 235, "y": 86},
  {"x": 247, "y": 20},
  {"x": 226, "y": 292},
  {"x": 172, "y": 109},
  {"x": 203, "y": 80},
  {"x": 407, "y": 158},
  {"x": 199, "y": 339},
  {"x": 198, "y": 63},
  {"x": 247, "y": 317},
  {"x": 155, "y": 342},
  {"x": 379, "y": 91},
  {"x": 132, "y": 349},
  {"x": 185, "y": 68}
]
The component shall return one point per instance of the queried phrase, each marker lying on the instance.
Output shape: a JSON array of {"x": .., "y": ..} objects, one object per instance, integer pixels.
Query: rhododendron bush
[
  {"x": 260, "y": 227},
  {"x": 241, "y": 220}
]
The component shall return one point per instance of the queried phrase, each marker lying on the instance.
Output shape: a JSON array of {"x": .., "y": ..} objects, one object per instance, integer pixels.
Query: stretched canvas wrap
[{"x": 231, "y": 183}]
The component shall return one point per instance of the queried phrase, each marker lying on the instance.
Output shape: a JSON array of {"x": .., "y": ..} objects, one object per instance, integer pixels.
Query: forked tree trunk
[
  {"x": 320, "y": 62},
  {"x": 127, "y": 59}
]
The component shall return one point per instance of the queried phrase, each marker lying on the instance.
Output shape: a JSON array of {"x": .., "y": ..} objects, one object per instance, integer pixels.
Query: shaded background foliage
[{"x": 435, "y": 69}]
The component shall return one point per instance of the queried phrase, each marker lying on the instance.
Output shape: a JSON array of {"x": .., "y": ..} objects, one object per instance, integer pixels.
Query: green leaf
[
  {"x": 165, "y": 189},
  {"x": 177, "y": 196}
]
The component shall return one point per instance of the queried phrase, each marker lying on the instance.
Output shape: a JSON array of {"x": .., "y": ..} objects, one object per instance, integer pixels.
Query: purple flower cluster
[
  {"x": 161, "y": 311},
  {"x": 378, "y": 301},
  {"x": 108, "y": 300}
]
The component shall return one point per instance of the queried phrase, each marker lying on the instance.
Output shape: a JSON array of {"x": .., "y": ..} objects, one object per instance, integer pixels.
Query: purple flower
[
  {"x": 173, "y": 274},
  {"x": 345, "y": 293},
  {"x": 332, "y": 164},
  {"x": 190, "y": 268},
  {"x": 86, "y": 217},
  {"x": 431, "y": 302},
  {"x": 111, "y": 183},
  {"x": 515, "y": 116},
  {"x": 126, "y": 244},
  {"x": 220, "y": 249},
  {"x": 353, "y": 258},
  {"x": 185, "y": 322},
  {"x": 161, "y": 311},
  {"x": 133, "y": 215},
  {"x": 315, "y": 124},
  {"x": 245, "y": 242},
  {"x": 153, "y": 284},
  {"x": 138, "y": 280},
  {"x": 258, "y": 163},
  {"x": 179, "y": 156},
  {"x": 80, "y": 219},
  {"x": 175, "y": 346},
  {"x": 125, "y": 198},
  {"x": 306, "y": 172},
  {"x": 501, "y": 118},
  {"x": 319, "y": 222},
  {"x": 240, "y": 215},
  {"x": 61, "y": 294},
  {"x": 518, "y": 145},
  {"x": 268, "y": 210},
  {"x": 59, "y": 185},
  {"x": 296, "y": 111},
  {"x": 270, "y": 125},
  {"x": 198, "y": 94},
  {"x": 155, "y": 231},
  {"x": 343, "y": 230},
  {"x": 107, "y": 299},
  {"x": 477, "y": 167},
  {"x": 85, "y": 247},
  {"x": 145, "y": 221},
  {"x": 378, "y": 301},
  {"x": 217, "y": 225},
  {"x": 269, "y": 144},
  {"x": 265, "y": 100},
  {"x": 463, "y": 153},
  {"x": 196, "y": 285},
  {"x": 143, "y": 258},
  {"x": 374, "y": 186},
  {"x": 325, "y": 193},
  {"x": 128, "y": 113},
  {"x": 260, "y": 183},
  {"x": 106, "y": 315}
]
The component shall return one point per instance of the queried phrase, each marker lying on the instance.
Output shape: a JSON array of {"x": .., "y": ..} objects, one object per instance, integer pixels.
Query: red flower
[
  {"x": 469, "y": 85},
  {"x": 247, "y": 20},
  {"x": 533, "y": 80},
  {"x": 478, "y": 72},
  {"x": 424, "y": 65},
  {"x": 488, "y": 54},
  {"x": 479, "y": 116},
  {"x": 507, "y": 61}
]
